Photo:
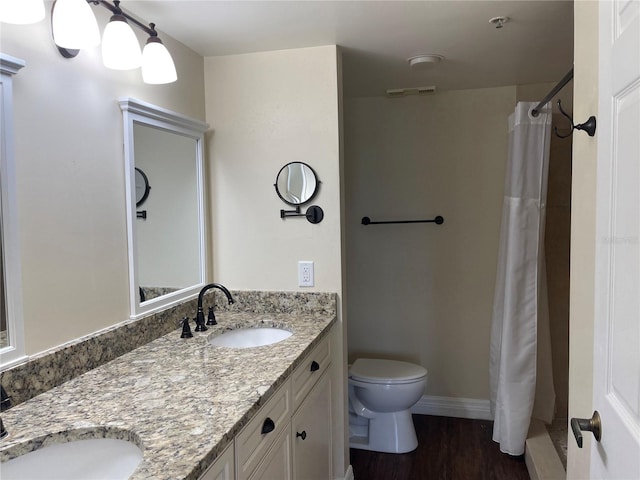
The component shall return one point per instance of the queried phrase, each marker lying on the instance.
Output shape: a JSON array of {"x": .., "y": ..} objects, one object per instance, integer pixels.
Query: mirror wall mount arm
[
  {"x": 314, "y": 214},
  {"x": 291, "y": 213}
]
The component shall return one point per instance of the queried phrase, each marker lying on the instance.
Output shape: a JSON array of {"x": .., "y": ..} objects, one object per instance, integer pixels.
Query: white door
[{"x": 617, "y": 287}]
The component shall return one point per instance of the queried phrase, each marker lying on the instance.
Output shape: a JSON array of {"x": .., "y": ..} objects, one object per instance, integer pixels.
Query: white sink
[
  {"x": 77, "y": 460},
  {"x": 249, "y": 337}
]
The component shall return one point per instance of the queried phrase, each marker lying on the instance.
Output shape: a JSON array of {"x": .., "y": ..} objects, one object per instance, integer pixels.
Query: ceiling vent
[{"x": 403, "y": 92}]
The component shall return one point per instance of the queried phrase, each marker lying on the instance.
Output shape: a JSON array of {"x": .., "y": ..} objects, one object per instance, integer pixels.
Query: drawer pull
[
  {"x": 314, "y": 366},
  {"x": 303, "y": 434},
  {"x": 268, "y": 426}
]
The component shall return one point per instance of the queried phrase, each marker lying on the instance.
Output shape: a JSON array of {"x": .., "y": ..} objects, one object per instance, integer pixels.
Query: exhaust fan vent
[
  {"x": 403, "y": 92},
  {"x": 426, "y": 90},
  {"x": 396, "y": 92}
]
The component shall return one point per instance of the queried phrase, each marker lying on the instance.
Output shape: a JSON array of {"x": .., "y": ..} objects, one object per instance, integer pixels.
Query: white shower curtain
[{"x": 518, "y": 300}]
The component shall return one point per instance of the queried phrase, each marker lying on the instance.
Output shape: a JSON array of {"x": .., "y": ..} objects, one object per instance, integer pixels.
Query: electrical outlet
[{"x": 305, "y": 274}]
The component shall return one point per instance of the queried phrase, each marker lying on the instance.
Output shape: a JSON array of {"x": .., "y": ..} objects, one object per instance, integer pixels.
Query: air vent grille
[{"x": 403, "y": 92}]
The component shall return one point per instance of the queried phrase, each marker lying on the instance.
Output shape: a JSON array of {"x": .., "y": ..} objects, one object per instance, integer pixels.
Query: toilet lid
[{"x": 385, "y": 371}]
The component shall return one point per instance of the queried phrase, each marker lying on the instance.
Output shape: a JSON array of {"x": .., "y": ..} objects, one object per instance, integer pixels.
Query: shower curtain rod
[{"x": 553, "y": 92}]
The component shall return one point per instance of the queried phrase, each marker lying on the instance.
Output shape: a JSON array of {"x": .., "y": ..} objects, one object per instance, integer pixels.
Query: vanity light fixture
[
  {"x": 157, "y": 64},
  {"x": 21, "y": 12},
  {"x": 74, "y": 25},
  {"x": 120, "y": 48}
]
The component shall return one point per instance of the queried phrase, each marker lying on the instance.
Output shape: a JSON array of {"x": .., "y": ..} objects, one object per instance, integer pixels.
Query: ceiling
[{"x": 377, "y": 37}]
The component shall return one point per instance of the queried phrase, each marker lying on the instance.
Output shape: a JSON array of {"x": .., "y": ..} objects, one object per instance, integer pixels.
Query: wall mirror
[
  {"x": 167, "y": 254},
  {"x": 11, "y": 317},
  {"x": 297, "y": 183}
]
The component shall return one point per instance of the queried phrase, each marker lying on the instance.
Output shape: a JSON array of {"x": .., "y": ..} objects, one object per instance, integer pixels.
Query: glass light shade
[
  {"x": 21, "y": 12},
  {"x": 157, "y": 64},
  {"x": 74, "y": 25},
  {"x": 120, "y": 48}
]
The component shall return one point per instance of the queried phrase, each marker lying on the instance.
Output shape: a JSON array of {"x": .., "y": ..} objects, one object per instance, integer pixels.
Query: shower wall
[
  {"x": 557, "y": 237},
  {"x": 557, "y": 244}
]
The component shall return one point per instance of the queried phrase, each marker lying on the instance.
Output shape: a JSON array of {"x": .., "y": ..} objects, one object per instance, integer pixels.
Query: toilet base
[{"x": 387, "y": 432}]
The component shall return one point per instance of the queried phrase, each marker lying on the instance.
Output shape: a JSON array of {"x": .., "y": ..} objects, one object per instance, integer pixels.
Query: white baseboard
[
  {"x": 474, "y": 408},
  {"x": 349, "y": 474}
]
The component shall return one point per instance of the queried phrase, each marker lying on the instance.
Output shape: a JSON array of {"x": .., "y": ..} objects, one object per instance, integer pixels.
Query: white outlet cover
[{"x": 305, "y": 274}]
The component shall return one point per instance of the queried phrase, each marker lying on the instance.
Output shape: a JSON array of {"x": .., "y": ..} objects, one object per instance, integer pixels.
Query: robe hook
[{"x": 589, "y": 126}]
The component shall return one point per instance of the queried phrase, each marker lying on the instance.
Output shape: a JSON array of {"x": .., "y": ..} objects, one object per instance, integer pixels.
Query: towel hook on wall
[{"x": 589, "y": 126}]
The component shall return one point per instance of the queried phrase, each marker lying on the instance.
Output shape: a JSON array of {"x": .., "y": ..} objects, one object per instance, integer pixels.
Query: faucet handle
[
  {"x": 186, "y": 329},
  {"x": 5, "y": 400},
  {"x": 211, "y": 317},
  {"x": 3, "y": 431}
]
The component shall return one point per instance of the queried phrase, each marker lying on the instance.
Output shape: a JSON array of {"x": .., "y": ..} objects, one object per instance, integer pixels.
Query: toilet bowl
[{"x": 381, "y": 394}]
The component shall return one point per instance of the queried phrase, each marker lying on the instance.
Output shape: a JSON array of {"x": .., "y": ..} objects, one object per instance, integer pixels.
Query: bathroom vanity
[
  {"x": 290, "y": 436},
  {"x": 202, "y": 411}
]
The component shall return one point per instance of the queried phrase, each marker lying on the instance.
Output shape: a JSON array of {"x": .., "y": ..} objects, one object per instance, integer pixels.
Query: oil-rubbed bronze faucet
[
  {"x": 5, "y": 400},
  {"x": 5, "y": 403},
  {"x": 200, "y": 324}
]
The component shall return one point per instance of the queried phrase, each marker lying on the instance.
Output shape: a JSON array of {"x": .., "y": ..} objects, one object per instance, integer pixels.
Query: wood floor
[{"x": 448, "y": 449}]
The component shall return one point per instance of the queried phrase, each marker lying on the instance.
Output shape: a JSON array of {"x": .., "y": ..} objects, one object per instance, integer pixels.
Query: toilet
[{"x": 381, "y": 394}]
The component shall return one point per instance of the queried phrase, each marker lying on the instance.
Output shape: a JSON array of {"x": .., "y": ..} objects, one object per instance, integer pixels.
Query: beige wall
[
  {"x": 420, "y": 292},
  {"x": 267, "y": 109},
  {"x": 583, "y": 232},
  {"x": 70, "y": 178}
]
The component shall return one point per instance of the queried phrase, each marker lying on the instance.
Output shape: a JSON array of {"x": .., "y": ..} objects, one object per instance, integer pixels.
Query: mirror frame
[
  {"x": 14, "y": 352},
  {"x": 138, "y": 112},
  {"x": 315, "y": 190}
]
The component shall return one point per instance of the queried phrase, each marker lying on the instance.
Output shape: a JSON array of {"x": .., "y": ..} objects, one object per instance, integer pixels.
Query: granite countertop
[{"x": 181, "y": 401}]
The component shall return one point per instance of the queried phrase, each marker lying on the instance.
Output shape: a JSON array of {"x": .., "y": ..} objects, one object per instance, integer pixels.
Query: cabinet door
[
  {"x": 311, "y": 434},
  {"x": 276, "y": 465},
  {"x": 223, "y": 468},
  {"x": 253, "y": 442}
]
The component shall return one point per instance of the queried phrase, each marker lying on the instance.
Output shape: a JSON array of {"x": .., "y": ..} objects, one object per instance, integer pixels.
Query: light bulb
[
  {"x": 21, "y": 12},
  {"x": 157, "y": 64},
  {"x": 120, "y": 48},
  {"x": 74, "y": 25}
]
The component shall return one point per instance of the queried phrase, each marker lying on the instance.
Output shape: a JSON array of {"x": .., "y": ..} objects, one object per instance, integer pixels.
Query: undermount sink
[
  {"x": 76, "y": 460},
  {"x": 250, "y": 337}
]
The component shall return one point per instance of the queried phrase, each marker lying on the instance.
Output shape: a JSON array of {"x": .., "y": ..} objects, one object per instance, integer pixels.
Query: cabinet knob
[
  {"x": 303, "y": 434},
  {"x": 268, "y": 426},
  {"x": 315, "y": 366}
]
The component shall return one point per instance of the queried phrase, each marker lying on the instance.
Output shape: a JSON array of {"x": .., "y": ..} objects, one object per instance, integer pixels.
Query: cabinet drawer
[
  {"x": 251, "y": 443},
  {"x": 310, "y": 370}
]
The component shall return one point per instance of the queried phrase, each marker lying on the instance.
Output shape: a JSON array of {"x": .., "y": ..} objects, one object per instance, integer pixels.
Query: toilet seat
[{"x": 374, "y": 370}]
